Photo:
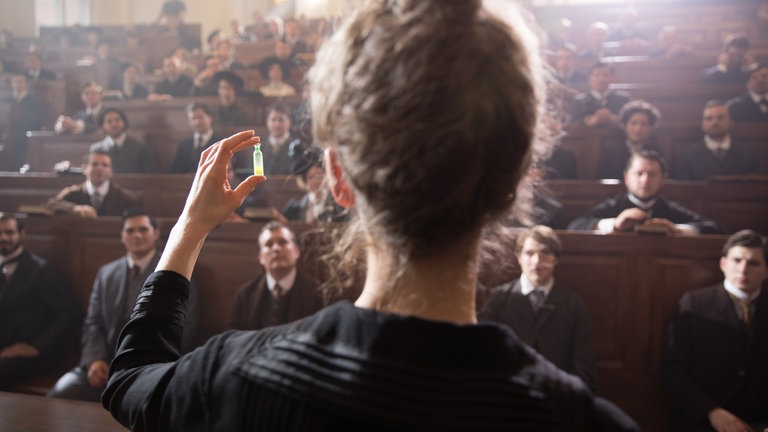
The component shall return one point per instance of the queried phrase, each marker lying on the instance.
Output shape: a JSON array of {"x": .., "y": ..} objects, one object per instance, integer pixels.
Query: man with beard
[
  {"x": 282, "y": 294},
  {"x": 38, "y": 313},
  {"x": 716, "y": 154},
  {"x": 642, "y": 207}
]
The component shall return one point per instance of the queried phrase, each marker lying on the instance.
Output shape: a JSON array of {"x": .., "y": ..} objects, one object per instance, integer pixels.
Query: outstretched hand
[{"x": 211, "y": 198}]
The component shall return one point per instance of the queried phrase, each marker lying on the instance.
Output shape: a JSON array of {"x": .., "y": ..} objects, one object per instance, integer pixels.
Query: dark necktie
[
  {"x": 278, "y": 292},
  {"x": 536, "y": 297},
  {"x": 720, "y": 153},
  {"x": 135, "y": 272},
  {"x": 96, "y": 200}
]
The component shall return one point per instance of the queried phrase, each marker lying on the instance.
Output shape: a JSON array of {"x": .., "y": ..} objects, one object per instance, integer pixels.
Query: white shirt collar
[
  {"x": 203, "y": 138},
  {"x": 279, "y": 141},
  {"x": 645, "y": 205},
  {"x": 143, "y": 262},
  {"x": 739, "y": 294},
  {"x": 713, "y": 145},
  {"x": 600, "y": 96},
  {"x": 526, "y": 287},
  {"x": 94, "y": 111},
  {"x": 103, "y": 189},
  {"x": 756, "y": 97},
  {"x": 116, "y": 142},
  {"x": 286, "y": 282}
]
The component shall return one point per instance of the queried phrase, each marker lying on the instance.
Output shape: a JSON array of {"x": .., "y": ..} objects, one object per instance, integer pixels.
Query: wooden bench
[{"x": 630, "y": 283}]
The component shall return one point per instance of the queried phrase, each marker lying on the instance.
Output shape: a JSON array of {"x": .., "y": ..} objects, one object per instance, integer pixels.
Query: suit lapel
[
  {"x": 519, "y": 302},
  {"x": 22, "y": 277}
]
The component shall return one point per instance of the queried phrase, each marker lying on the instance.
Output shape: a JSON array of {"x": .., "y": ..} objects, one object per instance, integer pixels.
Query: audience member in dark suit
[
  {"x": 637, "y": 119},
  {"x": 203, "y": 84},
  {"x": 715, "y": 363},
  {"x": 188, "y": 153},
  {"x": 731, "y": 63},
  {"x": 597, "y": 34},
  {"x": 752, "y": 106},
  {"x": 716, "y": 154},
  {"x": 38, "y": 313},
  {"x": 642, "y": 207},
  {"x": 128, "y": 154},
  {"x": 542, "y": 313},
  {"x": 113, "y": 296},
  {"x": 85, "y": 121},
  {"x": 565, "y": 72},
  {"x": 98, "y": 196},
  {"x": 281, "y": 150},
  {"x": 34, "y": 68},
  {"x": 174, "y": 83},
  {"x": 128, "y": 84},
  {"x": 28, "y": 113},
  {"x": 228, "y": 87},
  {"x": 292, "y": 36},
  {"x": 317, "y": 205},
  {"x": 282, "y": 294},
  {"x": 283, "y": 54},
  {"x": 600, "y": 105},
  {"x": 225, "y": 52}
]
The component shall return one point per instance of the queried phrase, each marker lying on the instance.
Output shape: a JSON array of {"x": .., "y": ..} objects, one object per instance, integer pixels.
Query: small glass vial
[{"x": 258, "y": 161}]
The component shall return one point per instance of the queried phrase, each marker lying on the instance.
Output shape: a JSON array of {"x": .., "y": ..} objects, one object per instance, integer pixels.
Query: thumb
[{"x": 248, "y": 185}]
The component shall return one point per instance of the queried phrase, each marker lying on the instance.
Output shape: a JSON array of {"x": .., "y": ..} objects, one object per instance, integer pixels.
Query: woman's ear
[{"x": 340, "y": 189}]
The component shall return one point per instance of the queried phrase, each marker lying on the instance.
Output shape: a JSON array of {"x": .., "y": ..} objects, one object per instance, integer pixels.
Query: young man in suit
[
  {"x": 98, "y": 195},
  {"x": 38, "y": 312},
  {"x": 716, "y": 154},
  {"x": 544, "y": 314},
  {"x": 85, "y": 121},
  {"x": 283, "y": 293},
  {"x": 114, "y": 293},
  {"x": 28, "y": 113},
  {"x": 715, "y": 364},
  {"x": 752, "y": 107},
  {"x": 282, "y": 151},
  {"x": 128, "y": 154},
  {"x": 600, "y": 105},
  {"x": 188, "y": 153},
  {"x": 34, "y": 68},
  {"x": 642, "y": 207}
]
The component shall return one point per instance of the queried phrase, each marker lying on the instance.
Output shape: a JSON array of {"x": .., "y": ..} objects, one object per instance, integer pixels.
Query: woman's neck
[{"x": 439, "y": 287}]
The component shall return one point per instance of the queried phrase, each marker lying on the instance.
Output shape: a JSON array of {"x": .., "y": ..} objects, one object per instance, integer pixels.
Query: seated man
[
  {"x": 188, "y": 153},
  {"x": 174, "y": 83},
  {"x": 716, "y": 154},
  {"x": 27, "y": 113},
  {"x": 546, "y": 316},
  {"x": 114, "y": 293},
  {"x": 731, "y": 63},
  {"x": 753, "y": 105},
  {"x": 98, "y": 195},
  {"x": 128, "y": 154},
  {"x": 282, "y": 294},
  {"x": 600, "y": 105},
  {"x": 715, "y": 364},
  {"x": 281, "y": 150},
  {"x": 84, "y": 121},
  {"x": 38, "y": 312},
  {"x": 642, "y": 206},
  {"x": 34, "y": 70}
]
